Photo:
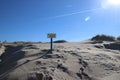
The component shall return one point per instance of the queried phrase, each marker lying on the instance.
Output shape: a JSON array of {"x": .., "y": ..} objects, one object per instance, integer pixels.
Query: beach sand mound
[{"x": 68, "y": 61}]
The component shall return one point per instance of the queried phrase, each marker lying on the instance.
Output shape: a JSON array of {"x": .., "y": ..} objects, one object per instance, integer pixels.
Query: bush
[
  {"x": 60, "y": 41},
  {"x": 18, "y": 43},
  {"x": 103, "y": 38}
]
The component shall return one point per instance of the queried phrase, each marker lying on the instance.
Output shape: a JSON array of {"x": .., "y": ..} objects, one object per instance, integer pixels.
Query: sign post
[{"x": 51, "y": 36}]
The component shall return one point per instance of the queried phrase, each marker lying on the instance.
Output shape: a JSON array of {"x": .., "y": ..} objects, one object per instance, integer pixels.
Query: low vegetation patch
[
  {"x": 103, "y": 38},
  {"x": 60, "y": 41}
]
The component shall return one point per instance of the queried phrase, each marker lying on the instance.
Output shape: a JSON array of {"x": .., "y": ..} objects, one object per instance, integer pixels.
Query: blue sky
[{"x": 72, "y": 20}]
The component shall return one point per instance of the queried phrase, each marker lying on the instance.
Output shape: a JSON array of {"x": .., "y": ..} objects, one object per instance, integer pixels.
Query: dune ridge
[{"x": 68, "y": 61}]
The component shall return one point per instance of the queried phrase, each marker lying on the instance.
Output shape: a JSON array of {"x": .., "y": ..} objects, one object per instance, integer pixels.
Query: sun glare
[
  {"x": 110, "y": 3},
  {"x": 114, "y": 2}
]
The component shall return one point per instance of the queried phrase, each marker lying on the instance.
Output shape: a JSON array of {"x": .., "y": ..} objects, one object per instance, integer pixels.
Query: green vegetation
[{"x": 103, "y": 38}]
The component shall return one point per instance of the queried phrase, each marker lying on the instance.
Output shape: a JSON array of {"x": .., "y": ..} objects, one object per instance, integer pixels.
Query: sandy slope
[
  {"x": 69, "y": 61},
  {"x": 2, "y": 49}
]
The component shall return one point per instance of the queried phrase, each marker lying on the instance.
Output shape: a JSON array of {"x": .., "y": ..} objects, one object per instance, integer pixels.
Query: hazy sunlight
[{"x": 114, "y": 2}]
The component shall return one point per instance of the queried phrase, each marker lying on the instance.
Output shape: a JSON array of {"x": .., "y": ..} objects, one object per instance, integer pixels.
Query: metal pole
[{"x": 51, "y": 45}]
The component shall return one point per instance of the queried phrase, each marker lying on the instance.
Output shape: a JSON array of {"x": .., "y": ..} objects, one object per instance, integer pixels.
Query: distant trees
[{"x": 103, "y": 38}]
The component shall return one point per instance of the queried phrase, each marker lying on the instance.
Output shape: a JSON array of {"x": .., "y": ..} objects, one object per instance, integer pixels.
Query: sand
[{"x": 68, "y": 61}]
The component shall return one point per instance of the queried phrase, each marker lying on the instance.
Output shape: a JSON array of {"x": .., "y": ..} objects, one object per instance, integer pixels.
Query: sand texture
[{"x": 68, "y": 61}]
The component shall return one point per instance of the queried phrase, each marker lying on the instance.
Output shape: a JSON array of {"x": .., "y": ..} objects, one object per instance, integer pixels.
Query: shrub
[
  {"x": 103, "y": 38},
  {"x": 18, "y": 43},
  {"x": 60, "y": 41}
]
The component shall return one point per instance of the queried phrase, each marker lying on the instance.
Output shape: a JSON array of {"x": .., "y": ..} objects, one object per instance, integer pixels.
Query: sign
[{"x": 51, "y": 35}]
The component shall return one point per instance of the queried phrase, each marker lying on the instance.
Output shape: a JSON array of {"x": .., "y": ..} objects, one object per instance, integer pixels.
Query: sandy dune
[{"x": 69, "y": 61}]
